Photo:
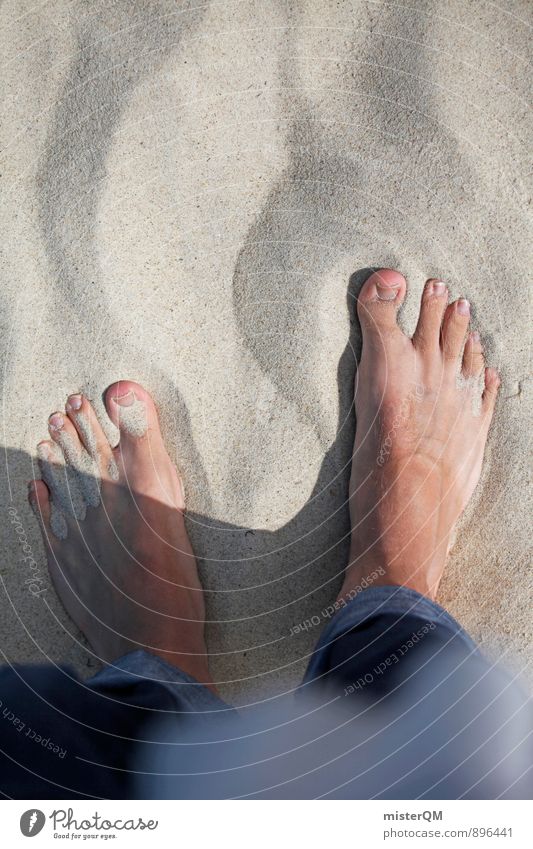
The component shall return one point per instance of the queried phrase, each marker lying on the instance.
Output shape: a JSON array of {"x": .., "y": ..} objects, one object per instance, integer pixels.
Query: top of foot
[
  {"x": 422, "y": 424},
  {"x": 113, "y": 524}
]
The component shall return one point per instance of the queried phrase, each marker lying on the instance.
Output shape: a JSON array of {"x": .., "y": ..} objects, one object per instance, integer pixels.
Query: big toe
[
  {"x": 379, "y": 299},
  {"x": 132, "y": 410},
  {"x": 141, "y": 455}
]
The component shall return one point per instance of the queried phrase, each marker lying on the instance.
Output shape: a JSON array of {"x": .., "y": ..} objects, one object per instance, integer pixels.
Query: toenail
[
  {"x": 387, "y": 293},
  {"x": 463, "y": 306},
  {"x": 438, "y": 287},
  {"x": 74, "y": 402},
  {"x": 475, "y": 336},
  {"x": 125, "y": 400},
  {"x": 56, "y": 421}
]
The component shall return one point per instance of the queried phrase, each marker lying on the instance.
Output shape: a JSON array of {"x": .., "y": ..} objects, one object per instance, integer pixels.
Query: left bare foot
[{"x": 119, "y": 556}]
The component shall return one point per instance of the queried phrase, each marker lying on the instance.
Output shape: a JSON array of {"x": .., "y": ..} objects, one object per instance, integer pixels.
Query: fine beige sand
[{"x": 191, "y": 194}]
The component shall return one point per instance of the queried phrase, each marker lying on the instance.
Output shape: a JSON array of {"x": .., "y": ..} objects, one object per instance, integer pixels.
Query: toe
[
  {"x": 49, "y": 456},
  {"x": 83, "y": 464},
  {"x": 379, "y": 299},
  {"x": 132, "y": 410},
  {"x": 454, "y": 327},
  {"x": 427, "y": 334},
  {"x": 473, "y": 359},
  {"x": 65, "y": 435},
  {"x": 61, "y": 478},
  {"x": 39, "y": 498},
  {"x": 89, "y": 431},
  {"x": 141, "y": 454},
  {"x": 490, "y": 393}
]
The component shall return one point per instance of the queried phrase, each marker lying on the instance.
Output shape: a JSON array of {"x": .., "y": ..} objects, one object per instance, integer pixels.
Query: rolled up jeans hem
[
  {"x": 189, "y": 693},
  {"x": 374, "y": 601}
]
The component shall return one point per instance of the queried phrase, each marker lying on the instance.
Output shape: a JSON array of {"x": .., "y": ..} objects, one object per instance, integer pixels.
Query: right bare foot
[
  {"x": 419, "y": 442},
  {"x": 123, "y": 566}
]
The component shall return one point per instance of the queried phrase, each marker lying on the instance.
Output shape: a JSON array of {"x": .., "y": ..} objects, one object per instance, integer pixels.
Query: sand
[{"x": 191, "y": 194}]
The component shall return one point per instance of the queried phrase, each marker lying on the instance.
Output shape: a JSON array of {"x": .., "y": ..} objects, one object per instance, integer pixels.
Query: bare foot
[
  {"x": 118, "y": 551},
  {"x": 420, "y": 440}
]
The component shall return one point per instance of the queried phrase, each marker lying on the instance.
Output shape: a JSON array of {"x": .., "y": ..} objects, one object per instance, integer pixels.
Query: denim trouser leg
[
  {"x": 435, "y": 718},
  {"x": 377, "y": 635},
  {"x": 397, "y": 702},
  {"x": 140, "y": 670},
  {"x": 380, "y": 624},
  {"x": 65, "y": 738}
]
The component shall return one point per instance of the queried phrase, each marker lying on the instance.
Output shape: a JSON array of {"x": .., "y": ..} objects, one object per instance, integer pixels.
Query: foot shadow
[{"x": 259, "y": 584}]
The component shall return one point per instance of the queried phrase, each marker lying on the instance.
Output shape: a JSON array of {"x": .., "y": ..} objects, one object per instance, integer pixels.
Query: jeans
[{"x": 397, "y": 702}]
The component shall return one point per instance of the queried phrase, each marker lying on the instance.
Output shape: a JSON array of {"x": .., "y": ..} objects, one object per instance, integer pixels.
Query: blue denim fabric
[
  {"x": 185, "y": 692},
  {"x": 190, "y": 696},
  {"x": 399, "y": 602},
  {"x": 142, "y": 728}
]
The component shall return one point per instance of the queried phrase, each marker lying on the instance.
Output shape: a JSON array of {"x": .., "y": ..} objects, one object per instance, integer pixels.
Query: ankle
[{"x": 362, "y": 576}]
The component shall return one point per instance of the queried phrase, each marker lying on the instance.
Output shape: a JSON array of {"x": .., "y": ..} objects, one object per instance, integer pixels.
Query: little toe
[
  {"x": 39, "y": 498},
  {"x": 59, "y": 462},
  {"x": 490, "y": 393},
  {"x": 65, "y": 499},
  {"x": 454, "y": 327},
  {"x": 426, "y": 337},
  {"x": 473, "y": 359},
  {"x": 379, "y": 299}
]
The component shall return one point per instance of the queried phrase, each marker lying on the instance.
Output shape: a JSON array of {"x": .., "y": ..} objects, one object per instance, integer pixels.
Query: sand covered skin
[{"x": 188, "y": 190}]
